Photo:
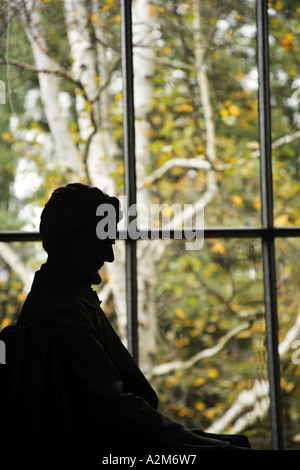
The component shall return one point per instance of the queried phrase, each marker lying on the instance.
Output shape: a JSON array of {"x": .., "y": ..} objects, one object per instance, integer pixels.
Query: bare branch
[
  {"x": 256, "y": 398},
  {"x": 162, "y": 369},
  {"x": 197, "y": 162},
  {"x": 286, "y": 139},
  {"x": 56, "y": 70},
  {"x": 246, "y": 400},
  {"x": 291, "y": 335}
]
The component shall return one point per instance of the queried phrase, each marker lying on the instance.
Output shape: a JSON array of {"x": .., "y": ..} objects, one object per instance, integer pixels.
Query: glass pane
[
  {"x": 202, "y": 335},
  {"x": 196, "y": 107},
  {"x": 285, "y": 95},
  {"x": 64, "y": 125},
  {"x": 288, "y": 265}
]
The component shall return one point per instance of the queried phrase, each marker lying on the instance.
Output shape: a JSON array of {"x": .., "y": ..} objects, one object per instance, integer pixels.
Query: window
[{"x": 165, "y": 104}]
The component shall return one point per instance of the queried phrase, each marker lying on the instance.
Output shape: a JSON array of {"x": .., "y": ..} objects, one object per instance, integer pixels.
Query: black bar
[
  {"x": 267, "y": 222},
  {"x": 129, "y": 174},
  {"x": 8, "y": 236}
]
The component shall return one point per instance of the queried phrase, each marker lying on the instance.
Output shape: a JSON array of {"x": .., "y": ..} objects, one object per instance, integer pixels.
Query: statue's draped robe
[{"x": 69, "y": 382}]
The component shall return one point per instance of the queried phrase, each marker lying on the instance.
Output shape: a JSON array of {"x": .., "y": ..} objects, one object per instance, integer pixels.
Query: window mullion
[
  {"x": 129, "y": 174},
  {"x": 270, "y": 290}
]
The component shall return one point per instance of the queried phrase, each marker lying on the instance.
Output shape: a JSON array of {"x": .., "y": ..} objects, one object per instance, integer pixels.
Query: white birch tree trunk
[
  {"x": 201, "y": 70},
  {"x": 105, "y": 141},
  {"x": 65, "y": 149},
  {"x": 144, "y": 63}
]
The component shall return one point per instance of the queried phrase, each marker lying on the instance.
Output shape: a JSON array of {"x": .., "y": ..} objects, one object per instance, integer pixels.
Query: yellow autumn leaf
[
  {"x": 258, "y": 328},
  {"x": 21, "y": 297},
  {"x": 181, "y": 314},
  {"x": 237, "y": 200},
  {"x": 178, "y": 373},
  {"x": 287, "y": 41},
  {"x": 179, "y": 343},
  {"x": 152, "y": 11},
  {"x": 235, "y": 307},
  {"x": 244, "y": 334},
  {"x": 183, "y": 108},
  {"x": 6, "y": 135},
  {"x": 194, "y": 332},
  {"x": 199, "y": 381},
  {"x": 149, "y": 133},
  {"x": 256, "y": 205},
  {"x": 218, "y": 247},
  {"x": 213, "y": 373},
  {"x": 107, "y": 6},
  {"x": 234, "y": 110},
  {"x": 166, "y": 50},
  {"x": 200, "y": 406},
  {"x": 171, "y": 382},
  {"x": 185, "y": 412},
  {"x": 239, "y": 74},
  {"x": 167, "y": 211},
  {"x": 5, "y": 322},
  {"x": 210, "y": 414},
  {"x": 281, "y": 220},
  {"x": 211, "y": 328},
  {"x": 224, "y": 112}
]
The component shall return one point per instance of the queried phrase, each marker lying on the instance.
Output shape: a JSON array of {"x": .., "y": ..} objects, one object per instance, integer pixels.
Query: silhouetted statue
[{"x": 70, "y": 382}]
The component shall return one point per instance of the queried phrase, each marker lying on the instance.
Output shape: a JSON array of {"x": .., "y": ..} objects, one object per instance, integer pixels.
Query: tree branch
[
  {"x": 246, "y": 400},
  {"x": 286, "y": 139},
  {"x": 56, "y": 70},
  {"x": 257, "y": 397},
  {"x": 162, "y": 369},
  {"x": 197, "y": 162}
]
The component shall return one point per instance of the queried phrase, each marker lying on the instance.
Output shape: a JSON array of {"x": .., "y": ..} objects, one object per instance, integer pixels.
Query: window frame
[{"x": 267, "y": 232}]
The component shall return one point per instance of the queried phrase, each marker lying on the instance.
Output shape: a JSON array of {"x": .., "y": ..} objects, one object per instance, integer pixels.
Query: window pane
[
  {"x": 288, "y": 265},
  {"x": 205, "y": 336},
  {"x": 64, "y": 125},
  {"x": 196, "y": 107},
  {"x": 285, "y": 95}
]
